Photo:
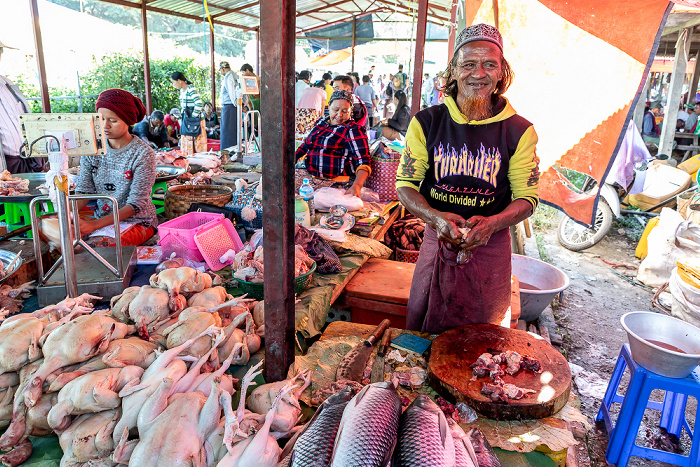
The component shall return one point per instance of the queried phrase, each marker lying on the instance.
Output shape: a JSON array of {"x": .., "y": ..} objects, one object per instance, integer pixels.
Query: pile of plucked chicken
[{"x": 143, "y": 383}]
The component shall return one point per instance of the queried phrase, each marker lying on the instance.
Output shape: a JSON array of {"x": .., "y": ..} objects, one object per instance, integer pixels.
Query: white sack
[
  {"x": 686, "y": 299},
  {"x": 671, "y": 239},
  {"x": 326, "y": 197}
]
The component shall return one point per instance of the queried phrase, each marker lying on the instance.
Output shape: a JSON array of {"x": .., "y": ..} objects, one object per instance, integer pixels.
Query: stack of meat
[
  {"x": 406, "y": 233},
  {"x": 173, "y": 157},
  {"x": 12, "y": 186},
  {"x": 492, "y": 366},
  {"x": 143, "y": 383},
  {"x": 249, "y": 266}
]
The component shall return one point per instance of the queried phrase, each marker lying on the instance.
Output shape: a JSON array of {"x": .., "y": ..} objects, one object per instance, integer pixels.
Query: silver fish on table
[
  {"x": 464, "y": 451},
  {"x": 313, "y": 445},
  {"x": 367, "y": 433},
  {"x": 482, "y": 449},
  {"x": 425, "y": 438}
]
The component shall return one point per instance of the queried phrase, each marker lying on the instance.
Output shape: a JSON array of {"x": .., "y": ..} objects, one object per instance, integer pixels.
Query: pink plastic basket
[
  {"x": 216, "y": 238},
  {"x": 185, "y": 226},
  {"x": 177, "y": 235}
]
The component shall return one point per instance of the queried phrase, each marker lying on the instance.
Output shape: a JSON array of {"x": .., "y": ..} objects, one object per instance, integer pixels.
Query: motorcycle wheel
[{"x": 575, "y": 237}]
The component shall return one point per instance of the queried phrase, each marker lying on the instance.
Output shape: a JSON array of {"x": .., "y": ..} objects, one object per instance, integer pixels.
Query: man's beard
[{"x": 476, "y": 107}]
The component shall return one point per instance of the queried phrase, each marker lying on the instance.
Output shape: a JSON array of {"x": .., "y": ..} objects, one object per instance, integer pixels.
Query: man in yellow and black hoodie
[{"x": 470, "y": 171}]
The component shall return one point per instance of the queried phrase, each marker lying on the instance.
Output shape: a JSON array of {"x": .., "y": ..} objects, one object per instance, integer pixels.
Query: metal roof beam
[
  {"x": 225, "y": 12},
  {"x": 688, "y": 24},
  {"x": 336, "y": 21}
]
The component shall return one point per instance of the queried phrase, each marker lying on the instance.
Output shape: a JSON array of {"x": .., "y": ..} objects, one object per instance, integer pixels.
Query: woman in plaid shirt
[{"x": 337, "y": 147}]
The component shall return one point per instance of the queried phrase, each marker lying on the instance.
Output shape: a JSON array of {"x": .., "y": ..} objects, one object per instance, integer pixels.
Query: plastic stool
[
  {"x": 159, "y": 204},
  {"x": 642, "y": 382},
  {"x": 17, "y": 215}
]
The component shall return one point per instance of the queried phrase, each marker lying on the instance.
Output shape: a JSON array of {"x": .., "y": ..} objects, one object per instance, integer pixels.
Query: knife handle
[
  {"x": 371, "y": 340},
  {"x": 386, "y": 338}
]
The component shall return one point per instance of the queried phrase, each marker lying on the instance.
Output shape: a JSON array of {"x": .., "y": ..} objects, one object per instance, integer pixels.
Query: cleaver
[
  {"x": 378, "y": 367},
  {"x": 353, "y": 364}
]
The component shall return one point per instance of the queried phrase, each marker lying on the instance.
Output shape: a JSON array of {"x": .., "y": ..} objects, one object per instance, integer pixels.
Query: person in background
[
  {"x": 692, "y": 120},
  {"x": 127, "y": 172},
  {"x": 336, "y": 149},
  {"x": 250, "y": 101},
  {"x": 152, "y": 130},
  {"x": 302, "y": 83},
  {"x": 172, "y": 125},
  {"x": 682, "y": 113},
  {"x": 211, "y": 121},
  {"x": 400, "y": 80},
  {"x": 328, "y": 87},
  {"x": 359, "y": 111},
  {"x": 13, "y": 103},
  {"x": 367, "y": 95},
  {"x": 427, "y": 89},
  {"x": 650, "y": 130},
  {"x": 470, "y": 163},
  {"x": 395, "y": 127},
  {"x": 388, "y": 96},
  {"x": 310, "y": 107},
  {"x": 230, "y": 93},
  {"x": 436, "y": 96},
  {"x": 190, "y": 103}
]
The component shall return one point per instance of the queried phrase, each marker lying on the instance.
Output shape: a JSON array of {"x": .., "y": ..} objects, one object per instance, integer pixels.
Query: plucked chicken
[
  {"x": 181, "y": 280},
  {"x": 288, "y": 410},
  {"x": 88, "y": 438}
]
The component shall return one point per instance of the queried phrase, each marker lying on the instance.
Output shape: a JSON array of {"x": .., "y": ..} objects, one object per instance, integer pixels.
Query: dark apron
[
  {"x": 229, "y": 127},
  {"x": 445, "y": 295}
]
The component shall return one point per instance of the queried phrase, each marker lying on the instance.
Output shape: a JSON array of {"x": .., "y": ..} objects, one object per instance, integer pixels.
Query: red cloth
[
  {"x": 445, "y": 295},
  {"x": 127, "y": 106},
  {"x": 135, "y": 236}
]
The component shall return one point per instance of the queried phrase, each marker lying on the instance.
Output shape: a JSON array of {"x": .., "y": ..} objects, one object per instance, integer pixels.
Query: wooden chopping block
[{"x": 455, "y": 350}]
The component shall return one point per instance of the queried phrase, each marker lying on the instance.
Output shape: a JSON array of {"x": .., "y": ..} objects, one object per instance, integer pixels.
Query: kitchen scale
[{"x": 103, "y": 272}]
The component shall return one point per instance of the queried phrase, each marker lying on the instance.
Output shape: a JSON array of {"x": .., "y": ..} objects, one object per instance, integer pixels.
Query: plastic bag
[
  {"x": 685, "y": 304},
  {"x": 256, "y": 240},
  {"x": 326, "y": 197},
  {"x": 673, "y": 238},
  {"x": 369, "y": 196}
]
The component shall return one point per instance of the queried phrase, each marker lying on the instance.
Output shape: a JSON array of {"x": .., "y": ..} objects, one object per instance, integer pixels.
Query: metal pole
[
  {"x": 146, "y": 60},
  {"x": 213, "y": 69},
  {"x": 80, "y": 95},
  {"x": 45, "y": 100},
  {"x": 257, "y": 49},
  {"x": 64, "y": 227},
  {"x": 354, "y": 41},
  {"x": 418, "y": 62},
  {"x": 453, "y": 29},
  {"x": 278, "y": 19},
  {"x": 239, "y": 123}
]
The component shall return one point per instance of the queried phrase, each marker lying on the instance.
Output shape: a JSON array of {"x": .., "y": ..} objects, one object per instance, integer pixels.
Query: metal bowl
[
  {"x": 546, "y": 279},
  {"x": 7, "y": 258},
  {"x": 642, "y": 326},
  {"x": 172, "y": 170}
]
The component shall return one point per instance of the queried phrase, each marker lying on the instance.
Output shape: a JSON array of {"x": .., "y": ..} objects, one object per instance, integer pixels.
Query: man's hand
[
  {"x": 446, "y": 225},
  {"x": 354, "y": 190},
  {"x": 87, "y": 227},
  {"x": 481, "y": 230}
]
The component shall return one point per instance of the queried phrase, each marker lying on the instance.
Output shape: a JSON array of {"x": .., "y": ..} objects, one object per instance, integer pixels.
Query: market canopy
[{"x": 579, "y": 70}]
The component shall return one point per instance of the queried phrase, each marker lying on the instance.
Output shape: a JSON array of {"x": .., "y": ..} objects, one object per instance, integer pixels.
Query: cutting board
[{"x": 455, "y": 350}]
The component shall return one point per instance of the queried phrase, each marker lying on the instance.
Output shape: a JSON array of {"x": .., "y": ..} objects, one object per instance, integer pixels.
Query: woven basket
[
  {"x": 382, "y": 180},
  {"x": 178, "y": 198},
  {"x": 407, "y": 256},
  {"x": 256, "y": 290}
]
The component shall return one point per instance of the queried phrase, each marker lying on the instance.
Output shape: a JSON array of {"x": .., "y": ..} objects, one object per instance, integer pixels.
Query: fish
[
  {"x": 425, "y": 438},
  {"x": 367, "y": 432},
  {"x": 464, "y": 451},
  {"x": 313, "y": 445},
  {"x": 482, "y": 449}
]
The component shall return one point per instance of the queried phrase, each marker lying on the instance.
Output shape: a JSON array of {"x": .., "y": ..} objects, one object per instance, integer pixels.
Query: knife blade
[
  {"x": 378, "y": 367},
  {"x": 353, "y": 364}
]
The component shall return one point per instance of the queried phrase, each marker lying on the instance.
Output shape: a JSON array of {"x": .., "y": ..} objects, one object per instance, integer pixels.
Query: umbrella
[{"x": 580, "y": 67}]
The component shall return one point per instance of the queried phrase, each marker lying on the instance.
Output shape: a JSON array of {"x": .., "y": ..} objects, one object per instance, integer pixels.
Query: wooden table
[{"x": 688, "y": 148}]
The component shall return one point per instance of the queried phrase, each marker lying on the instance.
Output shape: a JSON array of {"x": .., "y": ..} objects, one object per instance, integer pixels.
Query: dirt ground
[{"x": 589, "y": 319}]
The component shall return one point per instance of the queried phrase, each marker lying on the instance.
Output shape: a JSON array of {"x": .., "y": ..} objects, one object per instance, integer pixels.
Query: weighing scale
[
  {"x": 83, "y": 269},
  {"x": 248, "y": 150}
]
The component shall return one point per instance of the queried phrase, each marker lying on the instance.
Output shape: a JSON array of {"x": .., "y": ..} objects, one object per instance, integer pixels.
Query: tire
[{"x": 575, "y": 237}]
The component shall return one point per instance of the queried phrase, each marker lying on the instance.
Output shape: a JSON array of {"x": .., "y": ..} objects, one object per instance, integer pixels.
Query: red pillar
[
  {"x": 45, "y": 102},
  {"x": 453, "y": 29},
  {"x": 277, "y": 32},
  {"x": 146, "y": 59},
  {"x": 418, "y": 60},
  {"x": 213, "y": 68}
]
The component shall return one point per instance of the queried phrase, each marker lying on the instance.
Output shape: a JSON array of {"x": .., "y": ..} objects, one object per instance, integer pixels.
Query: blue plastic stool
[{"x": 635, "y": 401}]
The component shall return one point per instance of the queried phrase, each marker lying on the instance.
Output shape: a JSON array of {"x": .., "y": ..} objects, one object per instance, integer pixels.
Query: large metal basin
[
  {"x": 643, "y": 325},
  {"x": 548, "y": 280}
]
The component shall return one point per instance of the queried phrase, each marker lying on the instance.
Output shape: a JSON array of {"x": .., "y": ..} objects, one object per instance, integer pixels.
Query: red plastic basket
[
  {"x": 171, "y": 244},
  {"x": 216, "y": 238}
]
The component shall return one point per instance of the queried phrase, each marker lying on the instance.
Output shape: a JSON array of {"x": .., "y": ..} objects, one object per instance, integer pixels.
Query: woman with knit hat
[
  {"x": 190, "y": 103},
  {"x": 127, "y": 172}
]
